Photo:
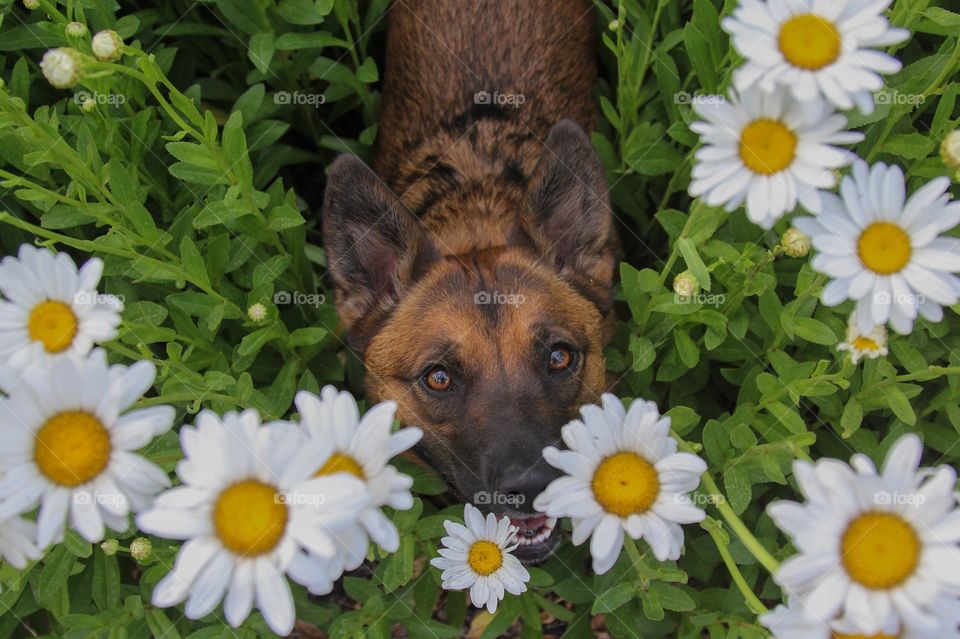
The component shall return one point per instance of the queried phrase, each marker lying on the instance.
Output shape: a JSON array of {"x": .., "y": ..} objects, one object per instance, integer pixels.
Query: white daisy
[
  {"x": 363, "y": 449},
  {"x": 18, "y": 542},
  {"x": 51, "y": 308},
  {"x": 794, "y": 622},
  {"x": 624, "y": 474},
  {"x": 66, "y": 444},
  {"x": 247, "y": 514},
  {"x": 884, "y": 251},
  {"x": 769, "y": 151},
  {"x": 815, "y": 48},
  {"x": 860, "y": 345},
  {"x": 477, "y": 556},
  {"x": 878, "y": 550}
]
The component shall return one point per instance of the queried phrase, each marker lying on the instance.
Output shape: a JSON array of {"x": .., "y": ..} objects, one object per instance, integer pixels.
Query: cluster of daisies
[
  {"x": 256, "y": 503},
  {"x": 775, "y": 143}
]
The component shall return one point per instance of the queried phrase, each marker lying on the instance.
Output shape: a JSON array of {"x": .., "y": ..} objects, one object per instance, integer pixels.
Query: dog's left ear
[{"x": 569, "y": 219}]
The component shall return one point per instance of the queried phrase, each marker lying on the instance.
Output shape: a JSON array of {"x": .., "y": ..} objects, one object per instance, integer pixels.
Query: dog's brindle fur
[{"x": 473, "y": 198}]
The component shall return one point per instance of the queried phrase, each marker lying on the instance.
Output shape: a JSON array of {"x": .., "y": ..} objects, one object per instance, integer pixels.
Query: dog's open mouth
[{"x": 536, "y": 537}]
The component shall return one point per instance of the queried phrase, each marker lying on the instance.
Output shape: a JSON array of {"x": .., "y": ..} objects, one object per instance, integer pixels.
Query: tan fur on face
[{"x": 496, "y": 343}]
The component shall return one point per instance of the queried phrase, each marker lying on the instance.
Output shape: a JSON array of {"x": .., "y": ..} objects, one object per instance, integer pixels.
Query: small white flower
[
  {"x": 884, "y": 251},
  {"x": 477, "y": 556},
  {"x": 52, "y": 309},
  {"x": 815, "y": 48},
  {"x": 67, "y": 442},
  {"x": 107, "y": 46},
  {"x": 361, "y": 448},
  {"x": 247, "y": 513},
  {"x": 624, "y": 474},
  {"x": 18, "y": 542},
  {"x": 877, "y": 550},
  {"x": 257, "y": 312},
  {"x": 770, "y": 151},
  {"x": 686, "y": 285},
  {"x": 61, "y": 67},
  {"x": 860, "y": 345},
  {"x": 795, "y": 243}
]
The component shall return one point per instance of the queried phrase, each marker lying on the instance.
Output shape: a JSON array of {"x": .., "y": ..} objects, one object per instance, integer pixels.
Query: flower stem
[
  {"x": 753, "y": 602},
  {"x": 752, "y": 544}
]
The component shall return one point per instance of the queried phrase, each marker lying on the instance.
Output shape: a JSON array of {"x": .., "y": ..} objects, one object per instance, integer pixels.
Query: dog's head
[{"x": 490, "y": 352}]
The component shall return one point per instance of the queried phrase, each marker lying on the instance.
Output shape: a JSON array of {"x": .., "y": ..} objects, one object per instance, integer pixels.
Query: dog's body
[{"x": 475, "y": 278}]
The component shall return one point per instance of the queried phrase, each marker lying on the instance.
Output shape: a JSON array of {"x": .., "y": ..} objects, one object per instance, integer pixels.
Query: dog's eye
[
  {"x": 438, "y": 379},
  {"x": 561, "y": 358}
]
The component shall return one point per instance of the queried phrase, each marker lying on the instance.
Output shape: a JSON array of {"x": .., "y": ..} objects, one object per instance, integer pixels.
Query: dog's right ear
[{"x": 375, "y": 248}]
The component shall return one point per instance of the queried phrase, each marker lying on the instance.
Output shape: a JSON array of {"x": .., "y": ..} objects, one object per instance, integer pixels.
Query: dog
[{"x": 473, "y": 265}]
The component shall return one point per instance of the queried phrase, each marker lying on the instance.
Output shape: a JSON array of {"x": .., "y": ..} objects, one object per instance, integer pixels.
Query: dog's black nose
[{"x": 520, "y": 485}]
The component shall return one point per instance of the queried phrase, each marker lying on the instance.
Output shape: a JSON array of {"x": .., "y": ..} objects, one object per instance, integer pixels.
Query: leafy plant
[{"x": 192, "y": 167}]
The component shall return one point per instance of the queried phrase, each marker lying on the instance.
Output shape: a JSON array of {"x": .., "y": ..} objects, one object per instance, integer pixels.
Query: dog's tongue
[{"x": 533, "y": 523}]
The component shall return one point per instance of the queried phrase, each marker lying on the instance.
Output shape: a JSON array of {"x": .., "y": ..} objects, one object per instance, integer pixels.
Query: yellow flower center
[
  {"x": 250, "y": 518},
  {"x": 71, "y": 448},
  {"x": 53, "y": 324},
  {"x": 865, "y": 344},
  {"x": 625, "y": 484},
  {"x": 884, "y": 248},
  {"x": 840, "y": 635},
  {"x": 485, "y": 557},
  {"x": 809, "y": 42},
  {"x": 340, "y": 463},
  {"x": 767, "y": 146},
  {"x": 880, "y": 550}
]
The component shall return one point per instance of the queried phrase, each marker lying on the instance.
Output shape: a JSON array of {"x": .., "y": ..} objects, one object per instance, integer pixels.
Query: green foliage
[{"x": 194, "y": 176}]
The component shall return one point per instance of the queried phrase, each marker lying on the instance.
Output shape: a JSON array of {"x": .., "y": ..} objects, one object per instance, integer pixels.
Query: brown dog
[{"x": 474, "y": 274}]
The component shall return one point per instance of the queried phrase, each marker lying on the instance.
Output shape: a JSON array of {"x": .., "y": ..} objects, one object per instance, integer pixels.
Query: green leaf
[
  {"x": 612, "y": 598},
  {"x": 694, "y": 262},
  {"x": 106, "y": 581},
  {"x": 193, "y": 262},
  {"x": 900, "y": 405},
  {"x": 851, "y": 418},
  {"x": 814, "y": 331}
]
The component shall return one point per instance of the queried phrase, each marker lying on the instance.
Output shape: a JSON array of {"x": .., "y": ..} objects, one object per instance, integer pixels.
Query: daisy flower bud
[
  {"x": 107, "y": 46},
  {"x": 88, "y": 105},
  {"x": 950, "y": 151},
  {"x": 140, "y": 549},
  {"x": 61, "y": 67},
  {"x": 76, "y": 29},
  {"x": 257, "y": 312},
  {"x": 110, "y": 547},
  {"x": 795, "y": 243},
  {"x": 686, "y": 284},
  {"x": 31, "y": 4}
]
